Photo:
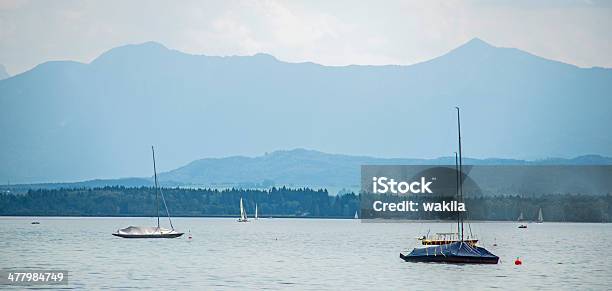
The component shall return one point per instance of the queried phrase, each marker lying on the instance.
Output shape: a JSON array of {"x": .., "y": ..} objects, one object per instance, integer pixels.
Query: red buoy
[{"x": 518, "y": 261}]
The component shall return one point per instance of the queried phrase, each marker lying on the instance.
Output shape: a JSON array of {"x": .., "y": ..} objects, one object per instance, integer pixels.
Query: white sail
[
  {"x": 243, "y": 215},
  {"x": 256, "y": 211},
  {"x": 520, "y": 218},
  {"x": 540, "y": 216},
  {"x": 356, "y": 216}
]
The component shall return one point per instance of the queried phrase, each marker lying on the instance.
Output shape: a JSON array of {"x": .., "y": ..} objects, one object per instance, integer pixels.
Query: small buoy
[{"x": 518, "y": 261}]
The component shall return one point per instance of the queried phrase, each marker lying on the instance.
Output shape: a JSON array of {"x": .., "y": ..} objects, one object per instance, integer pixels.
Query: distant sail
[
  {"x": 243, "y": 215},
  {"x": 520, "y": 218},
  {"x": 356, "y": 216},
  {"x": 256, "y": 211},
  {"x": 540, "y": 216}
]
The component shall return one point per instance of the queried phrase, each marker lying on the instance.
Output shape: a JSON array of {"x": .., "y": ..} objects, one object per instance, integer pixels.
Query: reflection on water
[{"x": 302, "y": 254}]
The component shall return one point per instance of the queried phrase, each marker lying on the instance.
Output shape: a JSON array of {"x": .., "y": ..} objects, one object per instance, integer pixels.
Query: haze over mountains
[{"x": 68, "y": 121}]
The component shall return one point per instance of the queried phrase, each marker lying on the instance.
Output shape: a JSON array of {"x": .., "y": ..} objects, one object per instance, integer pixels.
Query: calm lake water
[{"x": 302, "y": 254}]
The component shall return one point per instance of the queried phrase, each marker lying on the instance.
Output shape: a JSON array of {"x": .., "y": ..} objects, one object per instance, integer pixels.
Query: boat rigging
[{"x": 151, "y": 232}]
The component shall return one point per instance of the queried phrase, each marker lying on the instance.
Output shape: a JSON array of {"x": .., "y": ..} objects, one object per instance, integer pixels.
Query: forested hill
[
  {"x": 292, "y": 168},
  {"x": 304, "y": 202},
  {"x": 303, "y": 167}
]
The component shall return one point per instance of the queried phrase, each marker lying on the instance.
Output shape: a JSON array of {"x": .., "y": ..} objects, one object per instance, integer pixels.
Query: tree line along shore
[{"x": 283, "y": 202}]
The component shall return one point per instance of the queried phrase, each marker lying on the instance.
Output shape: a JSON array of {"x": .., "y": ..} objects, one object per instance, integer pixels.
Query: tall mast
[
  {"x": 156, "y": 187},
  {"x": 457, "y": 190},
  {"x": 460, "y": 170}
]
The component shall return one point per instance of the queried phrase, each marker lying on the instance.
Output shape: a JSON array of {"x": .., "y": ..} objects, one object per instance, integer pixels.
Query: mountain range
[
  {"x": 292, "y": 168},
  {"x": 301, "y": 167},
  {"x": 70, "y": 121}
]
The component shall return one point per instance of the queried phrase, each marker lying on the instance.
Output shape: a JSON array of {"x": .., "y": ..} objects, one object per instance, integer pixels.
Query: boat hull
[
  {"x": 449, "y": 259},
  {"x": 164, "y": 235},
  {"x": 455, "y": 253}
]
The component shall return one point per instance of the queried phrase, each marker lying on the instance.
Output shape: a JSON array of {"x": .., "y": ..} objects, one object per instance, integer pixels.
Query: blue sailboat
[{"x": 461, "y": 251}]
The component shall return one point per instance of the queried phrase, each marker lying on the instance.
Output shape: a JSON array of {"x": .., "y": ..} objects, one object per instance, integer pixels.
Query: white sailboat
[
  {"x": 540, "y": 216},
  {"x": 243, "y": 215},
  {"x": 356, "y": 215},
  {"x": 151, "y": 232},
  {"x": 256, "y": 212},
  {"x": 520, "y": 218}
]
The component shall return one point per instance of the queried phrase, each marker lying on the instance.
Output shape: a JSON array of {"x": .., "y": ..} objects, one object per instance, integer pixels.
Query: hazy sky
[{"x": 326, "y": 32}]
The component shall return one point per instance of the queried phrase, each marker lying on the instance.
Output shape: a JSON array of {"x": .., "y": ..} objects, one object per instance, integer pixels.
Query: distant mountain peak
[
  {"x": 149, "y": 45},
  {"x": 153, "y": 50},
  {"x": 478, "y": 52},
  {"x": 296, "y": 151},
  {"x": 475, "y": 45},
  {"x": 478, "y": 42},
  {"x": 265, "y": 55},
  {"x": 145, "y": 49}
]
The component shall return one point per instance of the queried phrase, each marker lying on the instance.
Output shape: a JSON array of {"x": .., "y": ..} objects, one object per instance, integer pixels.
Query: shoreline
[{"x": 307, "y": 218}]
